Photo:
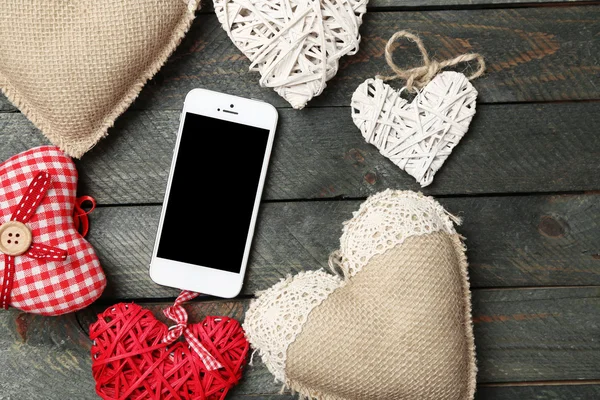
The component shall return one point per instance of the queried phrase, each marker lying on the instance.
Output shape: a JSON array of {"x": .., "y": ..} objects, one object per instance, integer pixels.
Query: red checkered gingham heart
[{"x": 41, "y": 285}]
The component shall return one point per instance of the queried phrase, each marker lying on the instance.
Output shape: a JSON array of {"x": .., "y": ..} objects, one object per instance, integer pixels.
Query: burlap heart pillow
[
  {"x": 72, "y": 67},
  {"x": 396, "y": 322}
]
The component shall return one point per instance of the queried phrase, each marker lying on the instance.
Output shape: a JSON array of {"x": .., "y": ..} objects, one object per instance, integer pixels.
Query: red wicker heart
[{"x": 131, "y": 361}]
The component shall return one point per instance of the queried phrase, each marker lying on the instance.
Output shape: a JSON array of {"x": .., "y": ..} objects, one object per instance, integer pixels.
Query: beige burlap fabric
[
  {"x": 401, "y": 327},
  {"x": 396, "y": 325},
  {"x": 72, "y": 67}
]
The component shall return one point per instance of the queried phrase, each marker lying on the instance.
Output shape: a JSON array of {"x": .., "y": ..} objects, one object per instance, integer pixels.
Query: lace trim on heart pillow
[
  {"x": 276, "y": 317},
  {"x": 386, "y": 220}
]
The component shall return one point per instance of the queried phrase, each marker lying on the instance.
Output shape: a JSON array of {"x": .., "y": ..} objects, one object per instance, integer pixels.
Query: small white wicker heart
[
  {"x": 418, "y": 136},
  {"x": 294, "y": 44}
]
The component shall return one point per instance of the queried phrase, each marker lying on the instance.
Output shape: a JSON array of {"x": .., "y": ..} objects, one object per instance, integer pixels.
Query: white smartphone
[{"x": 213, "y": 193}]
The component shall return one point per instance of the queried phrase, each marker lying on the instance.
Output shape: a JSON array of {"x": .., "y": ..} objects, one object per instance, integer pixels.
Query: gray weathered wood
[
  {"x": 320, "y": 153},
  {"x": 533, "y": 54},
  {"x": 500, "y": 314},
  {"x": 401, "y": 5},
  {"x": 43, "y": 358},
  {"x": 521, "y": 336},
  {"x": 5, "y": 105},
  {"x": 566, "y": 391},
  {"x": 512, "y": 241},
  {"x": 423, "y": 4}
]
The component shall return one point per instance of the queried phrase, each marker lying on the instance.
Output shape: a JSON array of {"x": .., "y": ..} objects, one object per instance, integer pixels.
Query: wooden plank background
[
  {"x": 525, "y": 180},
  {"x": 320, "y": 153}
]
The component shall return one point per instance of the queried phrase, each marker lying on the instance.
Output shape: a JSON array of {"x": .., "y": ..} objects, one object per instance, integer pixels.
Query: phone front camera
[
  {"x": 218, "y": 109},
  {"x": 231, "y": 105}
]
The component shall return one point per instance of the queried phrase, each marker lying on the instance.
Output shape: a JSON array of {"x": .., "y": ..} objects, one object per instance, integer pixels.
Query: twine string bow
[
  {"x": 25, "y": 210},
  {"x": 418, "y": 77},
  {"x": 178, "y": 314}
]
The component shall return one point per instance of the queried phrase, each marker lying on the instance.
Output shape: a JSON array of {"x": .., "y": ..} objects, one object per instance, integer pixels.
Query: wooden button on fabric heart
[{"x": 15, "y": 238}]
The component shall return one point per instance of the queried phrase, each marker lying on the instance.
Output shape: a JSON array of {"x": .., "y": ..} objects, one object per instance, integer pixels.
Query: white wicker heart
[
  {"x": 294, "y": 44},
  {"x": 418, "y": 136}
]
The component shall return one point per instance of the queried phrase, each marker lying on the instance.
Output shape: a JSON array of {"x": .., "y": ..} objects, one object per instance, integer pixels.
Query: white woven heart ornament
[
  {"x": 417, "y": 136},
  {"x": 294, "y": 44}
]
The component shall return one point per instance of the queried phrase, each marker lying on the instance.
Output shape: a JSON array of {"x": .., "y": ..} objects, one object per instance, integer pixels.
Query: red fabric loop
[{"x": 80, "y": 215}]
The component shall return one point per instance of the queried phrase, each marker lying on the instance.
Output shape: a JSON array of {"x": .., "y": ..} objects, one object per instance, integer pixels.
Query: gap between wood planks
[
  {"x": 363, "y": 198},
  {"x": 206, "y": 298},
  {"x": 477, "y": 6},
  {"x": 500, "y": 103},
  {"x": 323, "y": 106},
  {"x": 543, "y": 383},
  {"x": 441, "y": 5},
  {"x": 437, "y": 196}
]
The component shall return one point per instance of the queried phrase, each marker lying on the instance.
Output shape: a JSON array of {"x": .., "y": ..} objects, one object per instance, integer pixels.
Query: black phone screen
[{"x": 213, "y": 190}]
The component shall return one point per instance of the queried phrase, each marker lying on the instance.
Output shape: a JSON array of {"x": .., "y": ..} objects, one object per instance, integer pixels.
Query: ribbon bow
[
  {"x": 178, "y": 314},
  {"x": 16, "y": 235}
]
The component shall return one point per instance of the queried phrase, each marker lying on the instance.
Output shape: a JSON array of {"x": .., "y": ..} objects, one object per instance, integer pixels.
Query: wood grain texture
[
  {"x": 512, "y": 241},
  {"x": 320, "y": 153},
  {"x": 572, "y": 391},
  {"x": 423, "y": 4},
  {"x": 521, "y": 335},
  {"x": 402, "y": 5},
  {"x": 533, "y": 54},
  {"x": 43, "y": 358},
  {"x": 499, "y": 314},
  {"x": 5, "y": 105}
]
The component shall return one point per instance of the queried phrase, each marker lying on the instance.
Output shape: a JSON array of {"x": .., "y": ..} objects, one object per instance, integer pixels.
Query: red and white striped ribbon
[
  {"x": 178, "y": 314},
  {"x": 25, "y": 210}
]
